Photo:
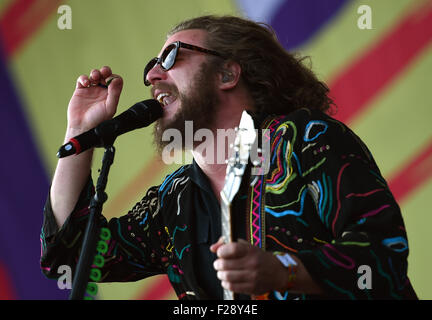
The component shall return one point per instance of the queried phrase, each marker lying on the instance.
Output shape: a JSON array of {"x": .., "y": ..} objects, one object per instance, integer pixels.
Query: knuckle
[
  {"x": 224, "y": 264},
  {"x": 234, "y": 249},
  {"x": 220, "y": 264},
  {"x": 254, "y": 261},
  {"x": 117, "y": 78},
  {"x": 94, "y": 73},
  {"x": 229, "y": 285},
  {"x": 227, "y": 275}
]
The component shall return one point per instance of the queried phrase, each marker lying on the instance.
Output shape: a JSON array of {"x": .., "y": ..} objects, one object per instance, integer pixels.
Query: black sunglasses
[{"x": 169, "y": 55}]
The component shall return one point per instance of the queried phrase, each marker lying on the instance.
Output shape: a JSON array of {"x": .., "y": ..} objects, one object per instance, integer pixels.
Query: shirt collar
[{"x": 198, "y": 177}]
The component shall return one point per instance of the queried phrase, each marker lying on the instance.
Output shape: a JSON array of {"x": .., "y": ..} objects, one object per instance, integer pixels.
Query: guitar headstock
[{"x": 245, "y": 136}]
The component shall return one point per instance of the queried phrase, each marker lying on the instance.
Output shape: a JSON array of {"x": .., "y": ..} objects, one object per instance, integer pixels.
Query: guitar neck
[
  {"x": 226, "y": 219},
  {"x": 226, "y": 233}
]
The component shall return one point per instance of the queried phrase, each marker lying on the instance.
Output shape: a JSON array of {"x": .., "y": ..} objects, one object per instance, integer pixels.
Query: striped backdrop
[{"x": 379, "y": 77}]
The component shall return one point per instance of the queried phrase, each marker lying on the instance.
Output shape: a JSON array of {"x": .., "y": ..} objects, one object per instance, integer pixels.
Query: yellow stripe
[
  {"x": 341, "y": 41},
  {"x": 398, "y": 123},
  {"x": 418, "y": 222}
]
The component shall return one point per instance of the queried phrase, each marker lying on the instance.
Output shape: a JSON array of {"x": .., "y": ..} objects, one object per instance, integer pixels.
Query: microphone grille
[{"x": 147, "y": 111}]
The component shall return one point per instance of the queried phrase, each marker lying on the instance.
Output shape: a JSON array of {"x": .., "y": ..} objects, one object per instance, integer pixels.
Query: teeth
[{"x": 161, "y": 97}]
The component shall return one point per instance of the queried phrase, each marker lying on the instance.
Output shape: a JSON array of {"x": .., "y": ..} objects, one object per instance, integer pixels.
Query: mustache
[{"x": 164, "y": 87}]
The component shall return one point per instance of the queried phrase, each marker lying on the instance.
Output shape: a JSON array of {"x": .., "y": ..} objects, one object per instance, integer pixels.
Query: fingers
[
  {"x": 228, "y": 264},
  {"x": 234, "y": 276},
  {"x": 232, "y": 256},
  {"x": 114, "y": 90},
  {"x": 105, "y": 79},
  {"x": 96, "y": 77},
  {"x": 105, "y": 72},
  {"x": 240, "y": 281},
  {"x": 233, "y": 250},
  {"x": 239, "y": 287},
  {"x": 83, "y": 81},
  {"x": 244, "y": 268}
]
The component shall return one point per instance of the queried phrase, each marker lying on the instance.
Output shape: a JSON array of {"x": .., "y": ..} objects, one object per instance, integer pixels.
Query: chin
[{"x": 170, "y": 111}]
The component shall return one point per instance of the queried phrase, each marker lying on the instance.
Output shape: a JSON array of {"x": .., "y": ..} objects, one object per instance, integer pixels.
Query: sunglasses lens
[
  {"x": 169, "y": 57},
  {"x": 166, "y": 61},
  {"x": 147, "y": 68}
]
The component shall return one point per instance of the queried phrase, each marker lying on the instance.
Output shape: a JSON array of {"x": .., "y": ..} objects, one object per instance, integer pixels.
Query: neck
[{"x": 227, "y": 118}]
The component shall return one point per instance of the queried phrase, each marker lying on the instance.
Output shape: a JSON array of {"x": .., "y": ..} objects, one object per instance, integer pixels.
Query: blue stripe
[
  {"x": 297, "y": 21},
  {"x": 289, "y": 212},
  {"x": 23, "y": 191}
]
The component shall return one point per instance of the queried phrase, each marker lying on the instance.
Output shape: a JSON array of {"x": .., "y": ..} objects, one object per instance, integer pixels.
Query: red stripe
[
  {"x": 6, "y": 289},
  {"x": 360, "y": 83},
  {"x": 412, "y": 175},
  {"x": 22, "y": 19},
  {"x": 158, "y": 290}
]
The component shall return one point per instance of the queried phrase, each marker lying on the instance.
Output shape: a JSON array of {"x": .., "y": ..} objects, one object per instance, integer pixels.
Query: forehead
[{"x": 191, "y": 36}]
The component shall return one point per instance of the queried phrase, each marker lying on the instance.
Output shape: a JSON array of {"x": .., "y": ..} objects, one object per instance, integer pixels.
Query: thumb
[
  {"x": 115, "y": 86},
  {"x": 216, "y": 245}
]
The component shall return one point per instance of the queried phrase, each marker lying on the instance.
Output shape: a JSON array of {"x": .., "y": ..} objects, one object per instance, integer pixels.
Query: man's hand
[
  {"x": 94, "y": 102},
  {"x": 243, "y": 268}
]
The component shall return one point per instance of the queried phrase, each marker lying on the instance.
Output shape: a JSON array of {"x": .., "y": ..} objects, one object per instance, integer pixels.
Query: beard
[{"x": 198, "y": 106}]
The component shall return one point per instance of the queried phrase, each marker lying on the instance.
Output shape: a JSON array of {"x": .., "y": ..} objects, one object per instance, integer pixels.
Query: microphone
[{"x": 140, "y": 115}]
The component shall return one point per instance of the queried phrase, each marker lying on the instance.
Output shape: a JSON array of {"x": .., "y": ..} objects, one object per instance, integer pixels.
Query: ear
[{"x": 229, "y": 77}]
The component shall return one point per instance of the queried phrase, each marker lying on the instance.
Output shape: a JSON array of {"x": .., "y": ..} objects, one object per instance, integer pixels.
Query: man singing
[{"x": 321, "y": 214}]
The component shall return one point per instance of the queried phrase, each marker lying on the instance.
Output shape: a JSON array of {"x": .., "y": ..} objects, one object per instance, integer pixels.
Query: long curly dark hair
[{"x": 278, "y": 81}]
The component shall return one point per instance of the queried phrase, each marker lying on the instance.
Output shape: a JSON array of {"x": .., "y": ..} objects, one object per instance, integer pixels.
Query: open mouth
[{"x": 165, "y": 98}]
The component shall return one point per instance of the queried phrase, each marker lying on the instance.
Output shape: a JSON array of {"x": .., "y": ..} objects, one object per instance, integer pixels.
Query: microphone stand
[{"x": 92, "y": 231}]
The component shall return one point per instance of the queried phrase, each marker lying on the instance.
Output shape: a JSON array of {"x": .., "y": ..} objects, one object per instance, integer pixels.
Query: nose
[{"x": 156, "y": 74}]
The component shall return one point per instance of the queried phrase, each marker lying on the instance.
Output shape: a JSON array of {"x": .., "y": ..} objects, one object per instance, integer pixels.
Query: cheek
[{"x": 184, "y": 75}]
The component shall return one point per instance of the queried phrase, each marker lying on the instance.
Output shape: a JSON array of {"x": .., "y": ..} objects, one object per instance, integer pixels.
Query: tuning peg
[
  {"x": 259, "y": 152},
  {"x": 257, "y": 163}
]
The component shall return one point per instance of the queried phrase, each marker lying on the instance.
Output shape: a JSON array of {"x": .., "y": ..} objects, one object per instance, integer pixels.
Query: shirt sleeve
[
  {"x": 129, "y": 257},
  {"x": 366, "y": 257}
]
